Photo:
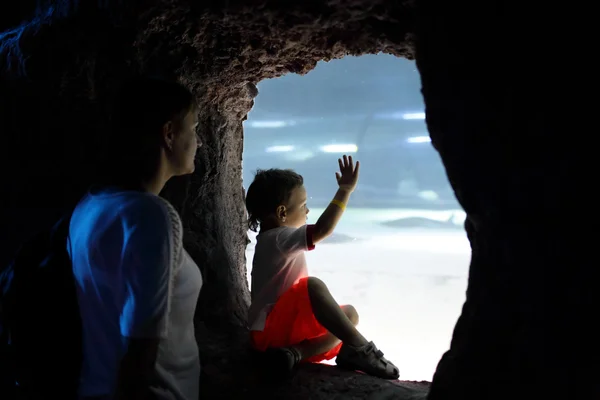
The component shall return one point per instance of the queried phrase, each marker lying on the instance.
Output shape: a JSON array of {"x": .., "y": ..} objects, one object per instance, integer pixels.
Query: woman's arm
[{"x": 147, "y": 269}]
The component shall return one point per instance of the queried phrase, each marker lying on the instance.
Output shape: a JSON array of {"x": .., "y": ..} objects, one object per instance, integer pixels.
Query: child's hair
[{"x": 270, "y": 188}]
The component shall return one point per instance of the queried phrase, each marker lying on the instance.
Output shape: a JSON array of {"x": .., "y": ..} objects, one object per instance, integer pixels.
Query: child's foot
[
  {"x": 281, "y": 360},
  {"x": 367, "y": 359}
]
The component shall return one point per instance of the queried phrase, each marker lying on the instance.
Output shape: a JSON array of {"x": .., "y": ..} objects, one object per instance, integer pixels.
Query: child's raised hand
[{"x": 347, "y": 178}]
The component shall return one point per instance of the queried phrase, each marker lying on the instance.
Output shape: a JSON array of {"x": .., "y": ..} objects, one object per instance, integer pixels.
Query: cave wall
[
  {"x": 496, "y": 111},
  {"x": 502, "y": 107}
]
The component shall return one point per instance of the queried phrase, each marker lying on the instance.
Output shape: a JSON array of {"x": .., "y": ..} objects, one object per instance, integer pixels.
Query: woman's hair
[
  {"x": 270, "y": 188},
  {"x": 139, "y": 112}
]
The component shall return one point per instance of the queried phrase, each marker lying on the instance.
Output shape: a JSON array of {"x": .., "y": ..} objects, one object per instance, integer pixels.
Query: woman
[{"x": 137, "y": 287}]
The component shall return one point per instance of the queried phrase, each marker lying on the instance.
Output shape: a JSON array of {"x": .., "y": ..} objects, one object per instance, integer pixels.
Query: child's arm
[{"x": 347, "y": 179}]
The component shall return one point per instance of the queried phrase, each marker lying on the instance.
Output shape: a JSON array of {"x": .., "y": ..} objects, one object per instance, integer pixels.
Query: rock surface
[{"x": 235, "y": 372}]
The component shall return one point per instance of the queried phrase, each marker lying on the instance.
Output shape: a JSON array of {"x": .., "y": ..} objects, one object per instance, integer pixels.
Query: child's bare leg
[
  {"x": 324, "y": 343},
  {"x": 328, "y": 312}
]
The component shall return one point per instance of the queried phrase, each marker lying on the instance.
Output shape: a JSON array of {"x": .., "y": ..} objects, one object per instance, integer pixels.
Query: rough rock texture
[
  {"x": 236, "y": 373},
  {"x": 499, "y": 111},
  {"x": 502, "y": 111}
]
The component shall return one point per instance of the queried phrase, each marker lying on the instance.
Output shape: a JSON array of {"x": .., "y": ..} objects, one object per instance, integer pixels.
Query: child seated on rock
[{"x": 293, "y": 317}]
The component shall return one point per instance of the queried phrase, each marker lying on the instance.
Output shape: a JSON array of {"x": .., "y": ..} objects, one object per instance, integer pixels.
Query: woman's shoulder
[
  {"x": 143, "y": 205},
  {"x": 154, "y": 212},
  {"x": 148, "y": 209}
]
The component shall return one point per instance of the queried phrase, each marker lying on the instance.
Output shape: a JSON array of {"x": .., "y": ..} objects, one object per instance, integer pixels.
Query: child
[{"x": 293, "y": 317}]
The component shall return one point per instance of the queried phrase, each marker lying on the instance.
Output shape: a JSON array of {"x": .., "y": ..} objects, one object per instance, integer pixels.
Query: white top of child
[{"x": 278, "y": 263}]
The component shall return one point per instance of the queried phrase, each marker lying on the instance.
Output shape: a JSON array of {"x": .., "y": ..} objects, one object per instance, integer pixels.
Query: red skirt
[{"x": 290, "y": 322}]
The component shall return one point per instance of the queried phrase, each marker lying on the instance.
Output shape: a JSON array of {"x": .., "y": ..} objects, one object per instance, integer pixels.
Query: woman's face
[{"x": 184, "y": 144}]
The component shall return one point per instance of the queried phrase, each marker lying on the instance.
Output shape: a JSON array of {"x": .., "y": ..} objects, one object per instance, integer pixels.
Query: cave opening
[{"x": 400, "y": 254}]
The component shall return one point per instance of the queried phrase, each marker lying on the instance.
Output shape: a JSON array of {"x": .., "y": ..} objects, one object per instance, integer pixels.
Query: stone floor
[
  {"x": 231, "y": 371},
  {"x": 328, "y": 383},
  {"x": 317, "y": 381}
]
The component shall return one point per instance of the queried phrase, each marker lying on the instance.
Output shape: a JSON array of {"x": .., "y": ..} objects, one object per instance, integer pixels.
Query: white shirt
[
  {"x": 134, "y": 280},
  {"x": 278, "y": 263}
]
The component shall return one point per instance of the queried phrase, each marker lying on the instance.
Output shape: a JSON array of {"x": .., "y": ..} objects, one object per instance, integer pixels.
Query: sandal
[
  {"x": 367, "y": 359},
  {"x": 281, "y": 361}
]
